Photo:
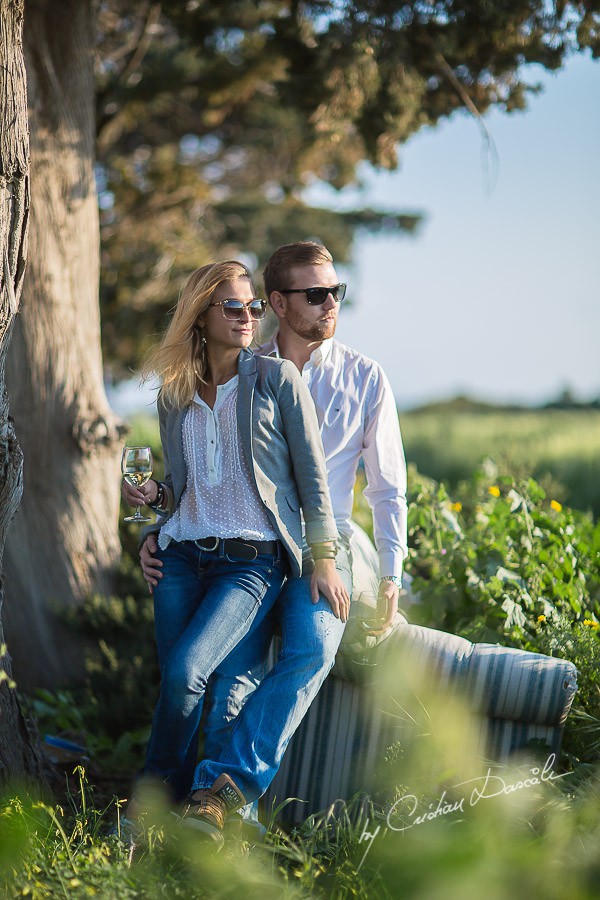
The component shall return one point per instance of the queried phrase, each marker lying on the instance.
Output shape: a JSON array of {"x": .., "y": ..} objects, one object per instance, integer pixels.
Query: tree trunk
[
  {"x": 19, "y": 757},
  {"x": 64, "y": 541}
]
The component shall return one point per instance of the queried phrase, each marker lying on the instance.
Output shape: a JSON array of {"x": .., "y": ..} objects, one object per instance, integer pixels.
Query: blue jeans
[
  {"x": 204, "y": 604},
  {"x": 250, "y": 748}
]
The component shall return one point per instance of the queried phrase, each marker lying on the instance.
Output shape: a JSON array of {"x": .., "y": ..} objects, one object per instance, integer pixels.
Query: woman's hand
[
  {"x": 326, "y": 580},
  {"x": 150, "y": 565},
  {"x": 139, "y": 496}
]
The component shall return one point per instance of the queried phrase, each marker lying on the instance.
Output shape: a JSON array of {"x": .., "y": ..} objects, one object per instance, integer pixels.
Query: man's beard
[{"x": 311, "y": 331}]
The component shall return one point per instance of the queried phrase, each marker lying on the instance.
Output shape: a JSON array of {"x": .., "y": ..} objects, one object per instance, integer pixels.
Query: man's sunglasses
[
  {"x": 234, "y": 309},
  {"x": 318, "y": 295}
]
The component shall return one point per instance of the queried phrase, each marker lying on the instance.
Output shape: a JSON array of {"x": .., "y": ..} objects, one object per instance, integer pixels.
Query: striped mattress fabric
[{"x": 496, "y": 681}]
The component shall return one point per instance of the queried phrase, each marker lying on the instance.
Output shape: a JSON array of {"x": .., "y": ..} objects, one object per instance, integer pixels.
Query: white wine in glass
[{"x": 136, "y": 466}]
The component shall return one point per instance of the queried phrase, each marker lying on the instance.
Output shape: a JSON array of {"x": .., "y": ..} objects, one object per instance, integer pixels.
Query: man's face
[{"x": 314, "y": 323}]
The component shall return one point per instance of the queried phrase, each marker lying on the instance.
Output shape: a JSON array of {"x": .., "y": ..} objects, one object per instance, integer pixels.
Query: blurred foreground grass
[{"x": 443, "y": 824}]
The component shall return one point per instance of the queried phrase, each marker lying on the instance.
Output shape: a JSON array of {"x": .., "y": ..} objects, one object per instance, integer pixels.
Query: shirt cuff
[{"x": 390, "y": 564}]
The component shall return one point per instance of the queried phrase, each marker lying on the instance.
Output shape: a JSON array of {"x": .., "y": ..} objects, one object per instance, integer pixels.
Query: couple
[{"x": 248, "y": 440}]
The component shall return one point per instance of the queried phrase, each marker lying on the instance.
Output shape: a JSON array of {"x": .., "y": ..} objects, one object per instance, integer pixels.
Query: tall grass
[
  {"x": 560, "y": 448},
  {"x": 444, "y": 825}
]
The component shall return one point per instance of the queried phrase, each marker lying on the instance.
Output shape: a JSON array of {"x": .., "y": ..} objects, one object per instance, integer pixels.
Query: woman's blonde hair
[{"x": 179, "y": 361}]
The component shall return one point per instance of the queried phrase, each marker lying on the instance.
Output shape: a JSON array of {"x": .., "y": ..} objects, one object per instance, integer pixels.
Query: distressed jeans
[
  {"x": 250, "y": 747},
  {"x": 204, "y": 604}
]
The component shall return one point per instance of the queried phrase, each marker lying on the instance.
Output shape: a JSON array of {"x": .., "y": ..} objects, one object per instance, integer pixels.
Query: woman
[{"x": 242, "y": 454}]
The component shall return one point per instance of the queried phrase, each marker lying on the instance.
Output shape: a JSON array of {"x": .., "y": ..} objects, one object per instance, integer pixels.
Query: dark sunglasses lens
[
  {"x": 318, "y": 295},
  {"x": 233, "y": 309},
  {"x": 258, "y": 309}
]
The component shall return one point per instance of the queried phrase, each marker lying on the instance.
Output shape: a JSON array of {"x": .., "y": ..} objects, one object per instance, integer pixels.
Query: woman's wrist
[
  {"x": 324, "y": 563},
  {"x": 326, "y": 550},
  {"x": 159, "y": 496}
]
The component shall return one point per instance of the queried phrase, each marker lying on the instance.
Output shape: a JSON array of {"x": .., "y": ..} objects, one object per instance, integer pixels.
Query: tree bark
[
  {"x": 64, "y": 543},
  {"x": 19, "y": 756}
]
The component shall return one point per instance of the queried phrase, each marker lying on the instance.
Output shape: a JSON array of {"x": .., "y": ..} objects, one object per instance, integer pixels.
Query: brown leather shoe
[{"x": 206, "y": 809}]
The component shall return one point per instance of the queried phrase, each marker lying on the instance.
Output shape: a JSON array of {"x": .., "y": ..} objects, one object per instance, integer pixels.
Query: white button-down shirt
[
  {"x": 358, "y": 418},
  {"x": 220, "y": 498}
]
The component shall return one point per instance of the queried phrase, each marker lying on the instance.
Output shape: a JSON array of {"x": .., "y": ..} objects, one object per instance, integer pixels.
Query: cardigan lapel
[
  {"x": 248, "y": 374},
  {"x": 176, "y": 457}
]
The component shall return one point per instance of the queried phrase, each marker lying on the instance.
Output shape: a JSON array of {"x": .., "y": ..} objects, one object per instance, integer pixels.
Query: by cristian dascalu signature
[{"x": 484, "y": 787}]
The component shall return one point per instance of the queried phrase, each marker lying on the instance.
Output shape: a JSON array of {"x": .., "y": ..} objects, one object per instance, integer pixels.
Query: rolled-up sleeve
[{"x": 385, "y": 469}]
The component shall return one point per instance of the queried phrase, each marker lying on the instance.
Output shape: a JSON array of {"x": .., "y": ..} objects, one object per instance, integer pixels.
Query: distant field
[
  {"x": 557, "y": 447},
  {"x": 561, "y": 448}
]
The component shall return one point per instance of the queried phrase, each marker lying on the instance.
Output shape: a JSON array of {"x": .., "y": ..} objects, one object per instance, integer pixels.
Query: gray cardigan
[{"x": 279, "y": 436}]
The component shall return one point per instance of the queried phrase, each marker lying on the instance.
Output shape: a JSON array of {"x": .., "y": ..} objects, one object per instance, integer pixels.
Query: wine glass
[
  {"x": 367, "y": 620},
  {"x": 136, "y": 466}
]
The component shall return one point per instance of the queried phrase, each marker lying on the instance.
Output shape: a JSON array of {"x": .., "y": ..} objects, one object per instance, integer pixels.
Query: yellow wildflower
[
  {"x": 494, "y": 490},
  {"x": 541, "y": 618},
  {"x": 556, "y": 506},
  {"x": 591, "y": 623},
  {"x": 457, "y": 507}
]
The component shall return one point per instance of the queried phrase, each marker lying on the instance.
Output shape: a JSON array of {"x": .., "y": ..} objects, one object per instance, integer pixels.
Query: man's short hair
[{"x": 276, "y": 276}]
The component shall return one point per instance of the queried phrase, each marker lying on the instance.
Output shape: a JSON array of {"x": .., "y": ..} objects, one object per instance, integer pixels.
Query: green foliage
[
  {"x": 580, "y": 643},
  {"x": 499, "y": 557}
]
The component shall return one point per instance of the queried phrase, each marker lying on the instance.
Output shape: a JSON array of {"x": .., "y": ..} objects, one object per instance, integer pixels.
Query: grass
[
  {"x": 480, "y": 833},
  {"x": 560, "y": 448}
]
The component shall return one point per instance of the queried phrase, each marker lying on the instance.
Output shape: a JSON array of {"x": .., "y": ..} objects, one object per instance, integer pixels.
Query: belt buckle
[
  {"x": 208, "y": 549},
  {"x": 248, "y": 548}
]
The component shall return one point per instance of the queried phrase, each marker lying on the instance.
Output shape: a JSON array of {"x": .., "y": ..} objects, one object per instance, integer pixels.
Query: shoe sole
[{"x": 204, "y": 828}]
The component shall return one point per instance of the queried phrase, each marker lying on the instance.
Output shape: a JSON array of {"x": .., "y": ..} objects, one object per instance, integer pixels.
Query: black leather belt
[{"x": 237, "y": 547}]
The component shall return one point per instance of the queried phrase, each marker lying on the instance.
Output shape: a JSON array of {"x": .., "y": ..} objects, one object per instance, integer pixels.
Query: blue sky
[{"x": 497, "y": 296}]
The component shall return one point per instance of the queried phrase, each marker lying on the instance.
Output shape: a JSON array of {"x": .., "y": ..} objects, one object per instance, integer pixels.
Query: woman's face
[{"x": 226, "y": 334}]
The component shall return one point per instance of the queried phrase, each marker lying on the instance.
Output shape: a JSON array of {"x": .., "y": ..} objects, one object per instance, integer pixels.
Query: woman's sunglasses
[
  {"x": 234, "y": 309},
  {"x": 318, "y": 295}
]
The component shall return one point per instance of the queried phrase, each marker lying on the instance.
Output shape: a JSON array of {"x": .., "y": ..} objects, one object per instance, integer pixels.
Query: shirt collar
[
  {"x": 322, "y": 353},
  {"x": 316, "y": 358},
  {"x": 271, "y": 348}
]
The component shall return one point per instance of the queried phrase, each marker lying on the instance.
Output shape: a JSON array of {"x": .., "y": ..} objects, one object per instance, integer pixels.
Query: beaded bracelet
[{"x": 160, "y": 496}]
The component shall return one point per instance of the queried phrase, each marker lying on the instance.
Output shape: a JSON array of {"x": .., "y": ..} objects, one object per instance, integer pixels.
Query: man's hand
[
  {"x": 387, "y": 606},
  {"x": 139, "y": 496},
  {"x": 150, "y": 565},
  {"x": 326, "y": 580}
]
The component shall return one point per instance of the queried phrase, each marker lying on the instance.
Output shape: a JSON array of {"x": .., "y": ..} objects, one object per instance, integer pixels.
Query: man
[{"x": 357, "y": 416}]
